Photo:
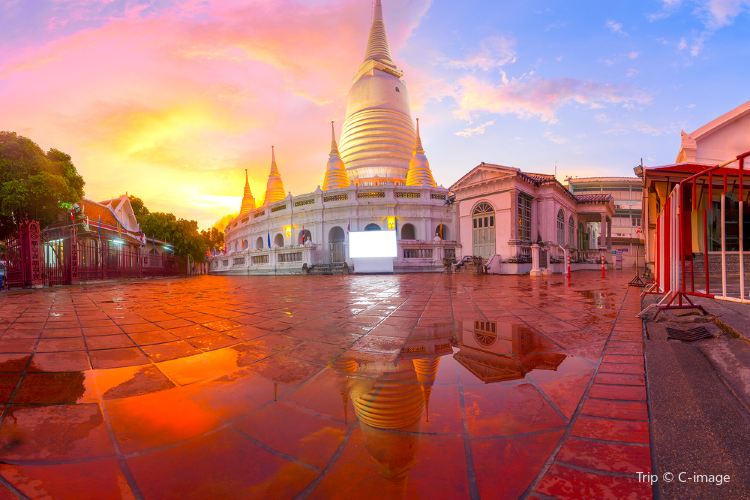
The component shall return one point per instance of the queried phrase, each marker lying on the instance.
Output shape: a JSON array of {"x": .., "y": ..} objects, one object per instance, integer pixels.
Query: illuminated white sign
[{"x": 372, "y": 244}]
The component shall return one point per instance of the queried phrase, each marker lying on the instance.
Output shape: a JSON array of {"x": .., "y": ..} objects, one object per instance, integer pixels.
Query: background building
[
  {"x": 506, "y": 216},
  {"x": 626, "y": 192}
]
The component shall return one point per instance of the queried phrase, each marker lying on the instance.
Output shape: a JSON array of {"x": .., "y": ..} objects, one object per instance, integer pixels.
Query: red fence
[
  {"x": 703, "y": 238},
  {"x": 58, "y": 256}
]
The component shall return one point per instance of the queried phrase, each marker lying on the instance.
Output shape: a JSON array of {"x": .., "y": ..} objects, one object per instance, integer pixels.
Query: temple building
[
  {"x": 377, "y": 178},
  {"x": 521, "y": 222}
]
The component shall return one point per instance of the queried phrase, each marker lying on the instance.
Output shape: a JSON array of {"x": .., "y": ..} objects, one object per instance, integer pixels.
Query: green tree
[
  {"x": 181, "y": 233},
  {"x": 139, "y": 208},
  {"x": 34, "y": 184},
  {"x": 213, "y": 237}
]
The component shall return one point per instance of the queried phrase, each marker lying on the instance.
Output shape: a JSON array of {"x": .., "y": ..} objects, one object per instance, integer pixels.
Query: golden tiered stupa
[
  {"x": 419, "y": 167},
  {"x": 248, "y": 202},
  {"x": 336, "y": 176},
  {"x": 378, "y": 135},
  {"x": 274, "y": 187},
  {"x": 368, "y": 165}
]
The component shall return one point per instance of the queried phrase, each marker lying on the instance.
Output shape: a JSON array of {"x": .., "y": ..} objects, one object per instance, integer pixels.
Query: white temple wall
[{"x": 348, "y": 209}]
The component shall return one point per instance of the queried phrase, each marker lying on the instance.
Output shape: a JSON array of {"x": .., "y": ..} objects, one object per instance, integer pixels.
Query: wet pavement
[{"x": 431, "y": 386}]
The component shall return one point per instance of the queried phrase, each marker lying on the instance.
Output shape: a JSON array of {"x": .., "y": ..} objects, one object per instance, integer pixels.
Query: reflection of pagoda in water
[
  {"x": 389, "y": 409},
  {"x": 391, "y": 398},
  {"x": 495, "y": 352}
]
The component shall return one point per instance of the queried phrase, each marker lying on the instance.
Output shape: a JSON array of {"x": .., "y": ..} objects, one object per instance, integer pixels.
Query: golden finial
[
  {"x": 334, "y": 146},
  {"x": 377, "y": 44},
  {"x": 419, "y": 147},
  {"x": 274, "y": 167}
]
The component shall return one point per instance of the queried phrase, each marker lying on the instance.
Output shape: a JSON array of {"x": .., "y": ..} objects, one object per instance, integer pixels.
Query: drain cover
[{"x": 691, "y": 335}]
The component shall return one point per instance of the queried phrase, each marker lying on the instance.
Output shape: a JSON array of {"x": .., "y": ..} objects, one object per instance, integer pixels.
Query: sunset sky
[{"x": 171, "y": 100}]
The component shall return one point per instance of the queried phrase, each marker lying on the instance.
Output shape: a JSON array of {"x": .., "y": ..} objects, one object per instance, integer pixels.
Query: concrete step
[{"x": 327, "y": 269}]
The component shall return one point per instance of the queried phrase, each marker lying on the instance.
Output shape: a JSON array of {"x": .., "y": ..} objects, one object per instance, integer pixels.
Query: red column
[{"x": 31, "y": 251}]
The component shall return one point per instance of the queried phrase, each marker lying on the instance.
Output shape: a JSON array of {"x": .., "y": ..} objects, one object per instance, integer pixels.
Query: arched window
[
  {"x": 483, "y": 208},
  {"x": 304, "y": 237},
  {"x": 560, "y": 227},
  {"x": 278, "y": 241},
  {"x": 244, "y": 244},
  {"x": 259, "y": 243},
  {"x": 441, "y": 231},
  {"x": 485, "y": 332},
  {"x": 483, "y": 230},
  {"x": 571, "y": 232},
  {"x": 372, "y": 227},
  {"x": 408, "y": 232}
]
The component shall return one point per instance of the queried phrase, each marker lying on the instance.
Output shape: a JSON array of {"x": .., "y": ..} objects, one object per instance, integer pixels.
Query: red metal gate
[
  {"x": 15, "y": 270},
  {"x": 63, "y": 255},
  {"x": 702, "y": 236}
]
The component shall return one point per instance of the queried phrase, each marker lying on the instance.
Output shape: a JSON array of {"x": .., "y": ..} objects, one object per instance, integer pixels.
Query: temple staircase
[
  {"x": 470, "y": 264},
  {"x": 327, "y": 269}
]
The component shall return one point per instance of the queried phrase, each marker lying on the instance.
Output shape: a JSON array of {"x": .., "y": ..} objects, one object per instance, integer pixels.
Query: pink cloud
[
  {"x": 722, "y": 12},
  {"x": 532, "y": 96},
  {"x": 495, "y": 52}
]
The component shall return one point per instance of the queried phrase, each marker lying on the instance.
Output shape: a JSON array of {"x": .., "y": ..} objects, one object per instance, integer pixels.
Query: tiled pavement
[{"x": 379, "y": 386}]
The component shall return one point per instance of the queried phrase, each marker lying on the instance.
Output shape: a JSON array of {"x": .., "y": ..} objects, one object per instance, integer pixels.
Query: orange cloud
[{"x": 173, "y": 104}]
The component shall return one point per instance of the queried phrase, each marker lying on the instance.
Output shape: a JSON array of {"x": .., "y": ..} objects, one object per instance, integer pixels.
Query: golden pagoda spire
[
  {"x": 377, "y": 138},
  {"x": 248, "y": 201},
  {"x": 336, "y": 176},
  {"x": 419, "y": 173},
  {"x": 274, "y": 167},
  {"x": 377, "y": 43},
  {"x": 334, "y": 146},
  {"x": 274, "y": 187},
  {"x": 418, "y": 148}
]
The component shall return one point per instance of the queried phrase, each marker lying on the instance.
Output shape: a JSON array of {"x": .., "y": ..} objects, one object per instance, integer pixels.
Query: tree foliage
[
  {"x": 181, "y": 233},
  {"x": 139, "y": 208},
  {"x": 34, "y": 184},
  {"x": 214, "y": 238}
]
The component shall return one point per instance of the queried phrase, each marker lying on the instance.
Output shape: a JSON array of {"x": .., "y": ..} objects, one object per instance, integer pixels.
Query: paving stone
[{"x": 357, "y": 386}]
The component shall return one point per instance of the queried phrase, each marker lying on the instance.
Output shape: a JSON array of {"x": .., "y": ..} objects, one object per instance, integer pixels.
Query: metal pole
[
  {"x": 709, "y": 206},
  {"x": 693, "y": 208},
  {"x": 742, "y": 242},
  {"x": 723, "y": 241},
  {"x": 680, "y": 235},
  {"x": 667, "y": 214},
  {"x": 657, "y": 251}
]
